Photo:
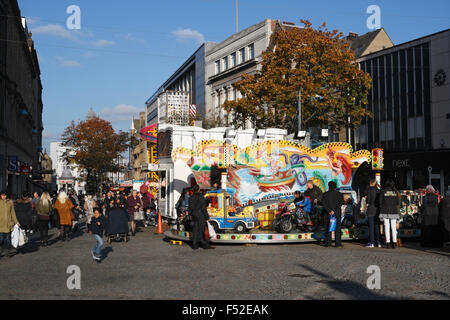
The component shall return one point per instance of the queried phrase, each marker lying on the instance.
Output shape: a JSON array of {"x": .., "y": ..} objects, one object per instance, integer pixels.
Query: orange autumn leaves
[
  {"x": 321, "y": 64},
  {"x": 95, "y": 145}
]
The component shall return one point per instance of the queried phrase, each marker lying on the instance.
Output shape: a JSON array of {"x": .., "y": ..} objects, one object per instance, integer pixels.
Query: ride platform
[{"x": 268, "y": 236}]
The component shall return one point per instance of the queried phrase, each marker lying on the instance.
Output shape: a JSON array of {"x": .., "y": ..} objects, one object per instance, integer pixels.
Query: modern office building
[{"x": 410, "y": 102}]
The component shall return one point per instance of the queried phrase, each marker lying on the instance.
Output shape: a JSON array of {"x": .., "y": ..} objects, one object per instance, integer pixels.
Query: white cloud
[
  {"x": 120, "y": 113},
  {"x": 50, "y": 135},
  {"x": 55, "y": 30},
  {"x": 131, "y": 37},
  {"x": 103, "y": 43},
  {"x": 70, "y": 63},
  {"x": 189, "y": 34}
]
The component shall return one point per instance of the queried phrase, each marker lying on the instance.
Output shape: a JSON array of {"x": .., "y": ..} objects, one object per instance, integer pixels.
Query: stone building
[
  {"x": 20, "y": 100},
  {"x": 410, "y": 101}
]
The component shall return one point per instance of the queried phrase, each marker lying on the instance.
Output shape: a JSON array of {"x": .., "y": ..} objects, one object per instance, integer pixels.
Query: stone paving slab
[{"x": 149, "y": 267}]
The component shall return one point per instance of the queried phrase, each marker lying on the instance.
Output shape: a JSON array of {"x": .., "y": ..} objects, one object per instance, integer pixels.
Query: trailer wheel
[{"x": 240, "y": 227}]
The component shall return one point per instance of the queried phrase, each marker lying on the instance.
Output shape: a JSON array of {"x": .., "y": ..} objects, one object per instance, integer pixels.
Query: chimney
[{"x": 352, "y": 36}]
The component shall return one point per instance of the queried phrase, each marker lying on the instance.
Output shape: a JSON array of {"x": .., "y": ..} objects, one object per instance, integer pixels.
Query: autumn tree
[
  {"x": 94, "y": 147},
  {"x": 318, "y": 62}
]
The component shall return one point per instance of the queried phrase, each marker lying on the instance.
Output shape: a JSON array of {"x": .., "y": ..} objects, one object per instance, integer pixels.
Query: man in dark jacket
[
  {"x": 197, "y": 208},
  {"x": 315, "y": 194},
  {"x": 373, "y": 203},
  {"x": 332, "y": 201}
]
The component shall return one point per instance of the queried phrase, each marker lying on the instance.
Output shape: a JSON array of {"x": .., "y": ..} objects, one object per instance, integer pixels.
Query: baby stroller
[
  {"x": 117, "y": 225},
  {"x": 150, "y": 218}
]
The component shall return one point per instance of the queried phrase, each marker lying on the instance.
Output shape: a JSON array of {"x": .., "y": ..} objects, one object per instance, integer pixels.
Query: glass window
[
  {"x": 233, "y": 61},
  {"x": 225, "y": 63},
  {"x": 217, "y": 64},
  {"x": 242, "y": 55},
  {"x": 410, "y": 59},
  {"x": 251, "y": 51}
]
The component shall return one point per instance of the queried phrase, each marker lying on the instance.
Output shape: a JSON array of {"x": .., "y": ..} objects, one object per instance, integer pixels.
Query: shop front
[{"x": 412, "y": 171}]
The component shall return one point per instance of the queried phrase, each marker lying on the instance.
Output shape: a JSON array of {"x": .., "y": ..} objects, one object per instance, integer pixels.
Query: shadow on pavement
[
  {"x": 350, "y": 288},
  {"x": 105, "y": 252}
]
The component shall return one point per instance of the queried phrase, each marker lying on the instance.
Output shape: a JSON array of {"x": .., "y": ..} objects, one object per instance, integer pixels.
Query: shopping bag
[
  {"x": 332, "y": 224},
  {"x": 212, "y": 232},
  {"x": 23, "y": 239},
  {"x": 15, "y": 236}
]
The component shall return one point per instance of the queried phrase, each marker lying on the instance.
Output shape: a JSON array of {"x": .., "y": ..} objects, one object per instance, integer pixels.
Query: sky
[{"x": 125, "y": 50}]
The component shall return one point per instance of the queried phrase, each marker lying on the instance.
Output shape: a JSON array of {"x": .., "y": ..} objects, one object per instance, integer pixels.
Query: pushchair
[
  {"x": 150, "y": 218},
  {"x": 117, "y": 225}
]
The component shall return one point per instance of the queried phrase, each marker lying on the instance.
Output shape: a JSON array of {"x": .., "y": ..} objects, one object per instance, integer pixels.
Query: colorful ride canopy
[
  {"x": 273, "y": 167},
  {"x": 150, "y": 133}
]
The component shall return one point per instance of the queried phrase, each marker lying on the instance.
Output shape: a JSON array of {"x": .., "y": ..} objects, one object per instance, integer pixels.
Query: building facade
[
  {"x": 188, "y": 80},
  {"x": 66, "y": 176},
  {"x": 228, "y": 60},
  {"x": 410, "y": 102},
  {"x": 139, "y": 154},
  {"x": 21, "y": 103}
]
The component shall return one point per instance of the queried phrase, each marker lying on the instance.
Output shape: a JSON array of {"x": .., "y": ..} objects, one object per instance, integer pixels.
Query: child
[
  {"x": 151, "y": 217},
  {"x": 306, "y": 205},
  {"x": 96, "y": 228}
]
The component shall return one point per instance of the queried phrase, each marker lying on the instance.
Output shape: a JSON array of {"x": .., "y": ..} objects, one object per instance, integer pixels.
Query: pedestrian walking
[
  {"x": 64, "y": 207},
  {"x": 96, "y": 228},
  {"x": 431, "y": 234},
  {"x": 444, "y": 212},
  {"x": 372, "y": 212},
  {"x": 89, "y": 206},
  {"x": 8, "y": 220},
  {"x": 43, "y": 209},
  {"x": 134, "y": 205},
  {"x": 197, "y": 209},
  {"x": 332, "y": 201},
  {"x": 389, "y": 212},
  {"x": 24, "y": 213}
]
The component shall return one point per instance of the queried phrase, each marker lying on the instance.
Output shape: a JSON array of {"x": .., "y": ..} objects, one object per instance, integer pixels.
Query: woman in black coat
[
  {"x": 24, "y": 212},
  {"x": 389, "y": 212},
  {"x": 431, "y": 235}
]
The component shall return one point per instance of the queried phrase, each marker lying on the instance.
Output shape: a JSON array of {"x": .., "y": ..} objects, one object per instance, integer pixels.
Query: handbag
[
  {"x": 139, "y": 215},
  {"x": 44, "y": 218}
]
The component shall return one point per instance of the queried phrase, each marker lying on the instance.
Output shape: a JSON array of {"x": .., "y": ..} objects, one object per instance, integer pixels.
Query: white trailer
[{"x": 176, "y": 176}]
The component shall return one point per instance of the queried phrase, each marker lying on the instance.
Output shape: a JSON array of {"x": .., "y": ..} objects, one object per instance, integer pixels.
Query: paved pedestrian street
[{"x": 149, "y": 267}]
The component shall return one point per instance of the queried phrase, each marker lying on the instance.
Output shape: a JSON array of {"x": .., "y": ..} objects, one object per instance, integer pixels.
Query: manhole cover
[{"x": 300, "y": 275}]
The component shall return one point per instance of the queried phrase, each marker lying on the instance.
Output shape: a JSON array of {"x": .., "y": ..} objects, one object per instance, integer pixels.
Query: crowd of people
[
  {"x": 65, "y": 211},
  {"x": 68, "y": 212},
  {"x": 319, "y": 209}
]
